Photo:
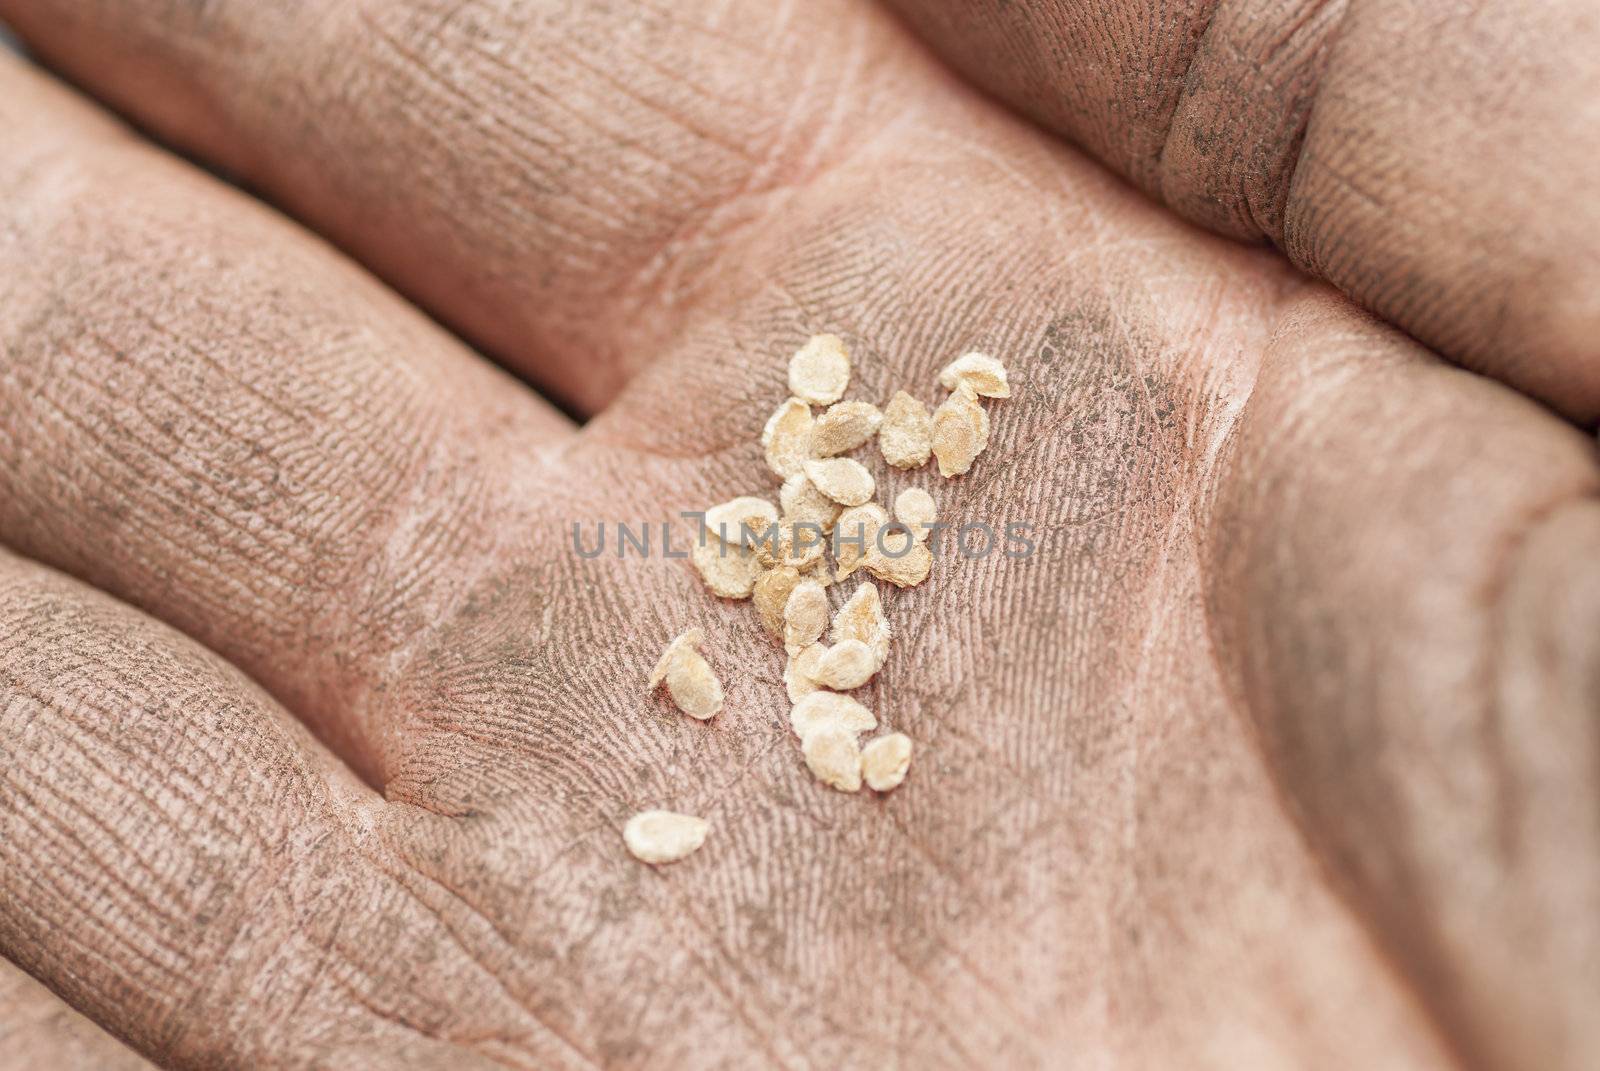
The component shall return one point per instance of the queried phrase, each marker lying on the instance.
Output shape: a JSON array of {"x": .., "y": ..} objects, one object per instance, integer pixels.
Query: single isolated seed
[
  {"x": 862, "y": 618},
  {"x": 664, "y": 836},
  {"x": 984, "y": 374},
  {"x": 846, "y": 665},
  {"x": 690, "y": 680},
  {"x": 843, "y": 427},
  {"x": 834, "y": 758},
  {"x": 902, "y": 561},
  {"x": 842, "y": 479},
  {"x": 799, "y": 673},
  {"x": 823, "y": 709},
  {"x": 730, "y": 572},
  {"x": 960, "y": 431},
  {"x": 819, "y": 371},
  {"x": 771, "y": 594},
  {"x": 805, "y": 615},
  {"x": 787, "y": 437},
  {"x": 694, "y": 687},
  {"x": 884, "y": 761},
  {"x": 731, "y": 520},
  {"x": 914, "y": 508},
  {"x": 906, "y": 435},
  {"x": 855, "y": 535},
  {"x": 690, "y": 639}
]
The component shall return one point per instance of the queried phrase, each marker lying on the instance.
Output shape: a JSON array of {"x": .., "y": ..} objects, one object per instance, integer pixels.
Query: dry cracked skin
[{"x": 1278, "y": 751}]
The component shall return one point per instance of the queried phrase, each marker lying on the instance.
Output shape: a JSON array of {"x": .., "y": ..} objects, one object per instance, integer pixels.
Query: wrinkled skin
[{"x": 316, "y": 739}]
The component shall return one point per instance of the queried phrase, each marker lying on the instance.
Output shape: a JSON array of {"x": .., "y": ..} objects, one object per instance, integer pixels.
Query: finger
[
  {"x": 213, "y": 416},
  {"x": 1426, "y": 158},
  {"x": 553, "y": 180},
  {"x": 1418, "y": 655},
  {"x": 38, "y": 1030},
  {"x": 180, "y": 861}
]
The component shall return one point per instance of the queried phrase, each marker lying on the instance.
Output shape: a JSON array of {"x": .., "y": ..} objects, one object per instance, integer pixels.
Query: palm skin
[{"x": 1277, "y": 753}]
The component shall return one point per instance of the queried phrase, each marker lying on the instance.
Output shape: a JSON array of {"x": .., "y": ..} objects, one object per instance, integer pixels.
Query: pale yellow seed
[
  {"x": 805, "y": 615},
  {"x": 905, "y": 436},
  {"x": 914, "y": 508},
  {"x": 862, "y": 618},
  {"x": 664, "y": 836},
  {"x": 856, "y": 534},
  {"x": 730, "y": 572},
  {"x": 885, "y": 760},
  {"x": 902, "y": 561},
  {"x": 802, "y": 502},
  {"x": 821, "y": 709},
  {"x": 797, "y": 673},
  {"x": 771, "y": 594},
  {"x": 690, "y": 639},
  {"x": 842, "y": 479},
  {"x": 819, "y": 572},
  {"x": 787, "y": 438},
  {"x": 843, "y": 427},
  {"x": 834, "y": 758},
  {"x": 984, "y": 374},
  {"x": 960, "y": 431},
  {"x": 792, "y": 543},
  {"x": 846, "y": 665},
  {"x": 819, "y": 371},
  {"x": 690, "y": 680},
  {"x": 693, "y": 686},
  {"x": 731, "y": 520}
]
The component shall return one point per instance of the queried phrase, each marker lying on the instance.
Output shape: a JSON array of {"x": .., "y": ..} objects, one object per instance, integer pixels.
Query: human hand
[{"x": 1278, "y": 752}]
